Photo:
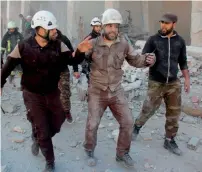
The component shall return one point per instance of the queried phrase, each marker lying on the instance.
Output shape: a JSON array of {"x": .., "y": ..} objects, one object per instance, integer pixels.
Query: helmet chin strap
[{"x": 46, "y": 37}]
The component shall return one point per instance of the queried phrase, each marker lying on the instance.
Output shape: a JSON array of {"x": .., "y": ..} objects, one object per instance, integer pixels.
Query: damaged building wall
[
  {"x": 158, "y": 8},
  {"x": 196, "y": 26},
  {"x": 72, "y": 15}
]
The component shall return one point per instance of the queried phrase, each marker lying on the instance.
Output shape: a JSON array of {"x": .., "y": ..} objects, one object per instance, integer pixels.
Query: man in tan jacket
[{"x": 108, "y": 54}]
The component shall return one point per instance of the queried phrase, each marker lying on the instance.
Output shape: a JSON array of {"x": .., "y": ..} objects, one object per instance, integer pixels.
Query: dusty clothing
[
  {"x": 64, "y": 86},
  {"x": 169, "y": 53},
  {"x": 86, "y": 63},
  {"x": 171, "y": 93},
  {"x": 106, "y": 62},
  {"x": 98, "y": 101},
  {"x": 46, "y": 115},
  {"x": 105, "y": 90}
]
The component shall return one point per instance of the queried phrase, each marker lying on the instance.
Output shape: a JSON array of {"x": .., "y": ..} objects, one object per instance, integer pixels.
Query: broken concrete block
[
  {"x": 18, "y": 129},
  {"x": 193, "y": 143},
  {"x": 18, "y": 140},
  {"x": 146, "y": 136}
]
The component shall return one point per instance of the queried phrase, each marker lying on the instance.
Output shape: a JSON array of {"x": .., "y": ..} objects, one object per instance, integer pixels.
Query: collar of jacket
[
  {"x": 101, "y": 41},
  {"x": 174, "y": 34},
  {"x": 34, "y": 43},
  {"x": 94, "y": 34}
]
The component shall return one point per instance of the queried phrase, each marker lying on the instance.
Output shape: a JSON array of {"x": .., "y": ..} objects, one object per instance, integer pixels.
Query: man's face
[
  {"x": 166, "y": 27},
  {"x": 11, "y": 30},
  {"x": 97, "y": 29},
  {"x": 111, "y": 31},
  {"x": 53, "y": 34}
]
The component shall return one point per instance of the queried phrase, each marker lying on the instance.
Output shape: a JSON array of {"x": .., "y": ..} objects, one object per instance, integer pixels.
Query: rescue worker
[
  {"x": 96, "y": 29},
  {"x": 9, "y": 41},
  {"x": 27, "y": 30},
  {"x": 64, "y": 83},
  {"x": 170, "y": 50},
  {"x": 42, "y": 61},
  {"x": 105, "y": 90}
]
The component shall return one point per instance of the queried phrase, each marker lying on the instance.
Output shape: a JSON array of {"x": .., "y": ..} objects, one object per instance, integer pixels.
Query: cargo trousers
[
  {"x": 64, "y": 86},
  {"x": 171, "y": 94}
]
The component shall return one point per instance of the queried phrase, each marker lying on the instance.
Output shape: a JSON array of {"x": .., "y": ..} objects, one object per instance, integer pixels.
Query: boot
[
  {"x": 136, "y": 130},
  {"x": 50, "y": 167},
  {"x": 91, "y": 159},
  {"x": 35, "y": 146},
  {"x": 69, "y": 117},
  {"x": 126, "y": 160},
  {"x": 172, "y": 146}
]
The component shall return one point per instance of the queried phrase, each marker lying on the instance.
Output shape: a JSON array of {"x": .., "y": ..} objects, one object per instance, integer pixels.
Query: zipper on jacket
[{"x": 168, "y": 60}]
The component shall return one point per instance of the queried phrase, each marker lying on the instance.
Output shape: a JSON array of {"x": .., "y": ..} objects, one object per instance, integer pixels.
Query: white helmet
[
  {"x": 44, "y": 19},
  {"x": 28, "y": 17},
  {"x": 11, "y": 25},
  {"x": 111, "y": 16},
  {"x": 95, "y": 22}
]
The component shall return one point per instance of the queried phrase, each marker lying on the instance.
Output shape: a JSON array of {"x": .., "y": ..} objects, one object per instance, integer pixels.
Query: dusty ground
[{"x": 147, "y": 151}]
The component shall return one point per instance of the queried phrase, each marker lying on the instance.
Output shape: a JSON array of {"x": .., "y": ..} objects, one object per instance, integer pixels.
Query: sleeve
[
  {"x": 12, "y": 61},
  {"x": 68, "y": 58},
  {"x": 3, "y": 44},
  {"x": 149, "y": 46},
  {"x": 183, "y": 57},
  {"x": 135, "y": 59}
]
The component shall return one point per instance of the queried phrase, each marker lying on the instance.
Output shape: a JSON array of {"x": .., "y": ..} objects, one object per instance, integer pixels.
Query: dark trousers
[{"x": 46, "y": 114}]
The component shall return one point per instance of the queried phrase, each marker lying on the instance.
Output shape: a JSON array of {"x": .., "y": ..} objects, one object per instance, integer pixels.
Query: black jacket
[
  {"x": 169, "y": 53},
  {"x": 93, "y": 35},
  {"x": 67, "y": 42},
  {"x": 41, "y": 66}
]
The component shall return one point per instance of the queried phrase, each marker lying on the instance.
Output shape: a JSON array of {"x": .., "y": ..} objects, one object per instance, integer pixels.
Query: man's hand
[
  {"x": 85, "y": 45},
  {"x": 187, "y": 86},
  {"x": 73, "y": 54},
  {"x": 150, "y": 59},
  {"x": 77, "y": 75}
]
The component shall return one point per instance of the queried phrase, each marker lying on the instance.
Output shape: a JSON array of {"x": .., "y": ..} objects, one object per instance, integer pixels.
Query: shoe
[
  {"x": 126, "y": 160},
  {"x": 91, "y": 159},
  {"x": 69, "y": 118},
  {"x": 172, "y": 146},
  {"x": 50, "y": 167},
  {"x": 136, "y": 130}
]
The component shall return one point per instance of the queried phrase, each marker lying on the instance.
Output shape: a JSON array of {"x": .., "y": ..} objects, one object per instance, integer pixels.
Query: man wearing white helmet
[
  {"x": 9, "y": 41},
  {"x": 96, "y": 29},
  {"x": 105, "y": 90},
  {"x": 42, "y": 61}
]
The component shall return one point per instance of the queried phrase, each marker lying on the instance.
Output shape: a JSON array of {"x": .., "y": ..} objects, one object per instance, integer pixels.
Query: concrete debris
[
  {"x": 110, "y": 124},
  {"x": 146, "y": 136},
  {"x": 193, "y": 143},
  {"x": 101, "y": 126},
  {"x": 18, "y": 140},
  {"x": 189, "y": 120},
  {"x": 4, "y": 168},
  {"x": 115, "y": 135},
  {"x": 192, "y": 111},
  {"x": 18, "y": 130},
  {"x": 74, "y": 144},
  {"x": 109, "y": 116},
  {"x": 147, "y": 166}
]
